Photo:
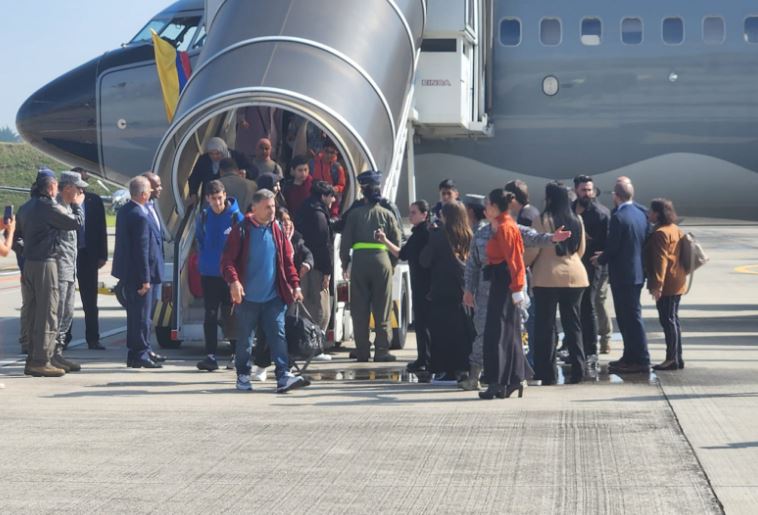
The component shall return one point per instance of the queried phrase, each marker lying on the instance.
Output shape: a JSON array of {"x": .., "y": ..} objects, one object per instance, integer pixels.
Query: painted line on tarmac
[
  {"x": 747, "y": 269},
  {"x": 74, "y": 343}
]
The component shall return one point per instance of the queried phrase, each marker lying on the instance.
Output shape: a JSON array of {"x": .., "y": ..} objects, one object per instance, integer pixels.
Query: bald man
[
  {"x": 263, "y": 162},
  {"x": 627, "y": 231}
]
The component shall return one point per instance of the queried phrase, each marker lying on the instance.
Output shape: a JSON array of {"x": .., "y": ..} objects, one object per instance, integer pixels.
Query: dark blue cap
[
  {"x": 44, "y": 171},
  {"x": 370, "y": 178}
]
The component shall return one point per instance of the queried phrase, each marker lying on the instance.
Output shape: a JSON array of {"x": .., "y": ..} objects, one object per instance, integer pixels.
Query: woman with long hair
[
  {"x": 559, "y": 279},
  {"x": 666, "y": 278},
  {"x": 505, "y": 364},
  {"x": 451, "y": 330},
  {"x": 418, "y": 214}
]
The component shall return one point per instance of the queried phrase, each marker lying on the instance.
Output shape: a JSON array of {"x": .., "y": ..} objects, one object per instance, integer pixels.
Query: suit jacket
[
  {"x": 137, "y": 258},
  {"x": 627, "y": 232},
  {"x": 662, "y": 266},
  {"x": 95, "y": 233}
]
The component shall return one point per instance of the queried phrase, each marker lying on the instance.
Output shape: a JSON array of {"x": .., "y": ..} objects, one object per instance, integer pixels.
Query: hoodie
[{"x": 211, "y": 231}]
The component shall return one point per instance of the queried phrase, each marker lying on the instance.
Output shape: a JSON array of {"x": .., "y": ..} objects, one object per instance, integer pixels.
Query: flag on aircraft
[{"x": 173, "y": 72}]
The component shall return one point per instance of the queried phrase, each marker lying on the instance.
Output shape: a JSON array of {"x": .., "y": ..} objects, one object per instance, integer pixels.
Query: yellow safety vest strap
[{"x": 369, "y": 246}]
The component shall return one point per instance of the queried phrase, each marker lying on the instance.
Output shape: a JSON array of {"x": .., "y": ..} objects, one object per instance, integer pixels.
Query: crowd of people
[{"x": 488, "y": 273}]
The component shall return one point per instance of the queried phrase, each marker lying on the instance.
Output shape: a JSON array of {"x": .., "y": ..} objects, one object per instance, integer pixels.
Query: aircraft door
[{"x": 132, "y": 119}]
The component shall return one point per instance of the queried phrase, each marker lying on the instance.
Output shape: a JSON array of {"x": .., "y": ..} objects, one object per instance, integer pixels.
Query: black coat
[
  {"x": 95, "y": 246},
  {"x": 302, "y": 253},
  {"x": 421, "y": 277},
  {"x": 595, "y": 218},
  {"x": 445, "y": 268},
  {"x": 313, "y": 223},
  {"x": 203, "y": 170}
]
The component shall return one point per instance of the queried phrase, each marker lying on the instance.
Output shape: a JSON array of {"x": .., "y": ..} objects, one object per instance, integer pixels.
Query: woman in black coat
[
  {"x": 420, "y": 281},
  {"x": 452, "y": 327}
]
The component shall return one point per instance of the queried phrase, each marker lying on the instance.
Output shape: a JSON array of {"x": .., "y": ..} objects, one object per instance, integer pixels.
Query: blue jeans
[{"x": 270, "y": 316}]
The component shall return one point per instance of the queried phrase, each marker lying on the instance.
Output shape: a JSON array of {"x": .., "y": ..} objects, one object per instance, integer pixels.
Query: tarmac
[{"x": 365, "y": 438}]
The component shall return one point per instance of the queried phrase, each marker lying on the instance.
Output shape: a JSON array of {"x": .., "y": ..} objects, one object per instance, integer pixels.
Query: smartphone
[{"x": 8, "y": 213}]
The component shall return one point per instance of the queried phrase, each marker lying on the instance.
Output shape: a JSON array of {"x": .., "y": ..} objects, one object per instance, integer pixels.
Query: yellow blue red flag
[{"x": 173, "y": 72}]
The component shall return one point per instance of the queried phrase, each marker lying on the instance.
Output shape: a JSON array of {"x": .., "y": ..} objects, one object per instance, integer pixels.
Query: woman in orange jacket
[
  {"x": 666, "y": 279},
  {"x": 505, "y": 365}
]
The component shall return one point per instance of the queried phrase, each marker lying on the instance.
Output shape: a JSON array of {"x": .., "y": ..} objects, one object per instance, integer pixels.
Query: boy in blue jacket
[{"x": 213, "y": 225}]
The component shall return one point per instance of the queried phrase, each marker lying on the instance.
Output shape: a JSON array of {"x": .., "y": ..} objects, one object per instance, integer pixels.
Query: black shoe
[
  {"x": 681, "y": 365},
  {"x": 492, "y": 391},
  {"x": 415, "y": 366},
  {"x": 513, "y": 388},
  {"x": 96, "y": 346},
  {"x": 384, "y": 357},
  {"x": 669, "y": 364},
  {"x": 209, "y": 364},
  {"x": 157, "y": 357},
  {"x": 616, "y": 363},
  {"x": 144, "y": 363},
  {"x": 629, "y": 368}
]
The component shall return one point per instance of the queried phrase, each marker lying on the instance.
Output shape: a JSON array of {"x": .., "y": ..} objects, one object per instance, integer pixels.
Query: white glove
[{"x": 518, "y": 297}]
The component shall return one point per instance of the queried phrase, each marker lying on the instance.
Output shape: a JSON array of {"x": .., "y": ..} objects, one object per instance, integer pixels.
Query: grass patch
[{"x": 18, "y": 168}]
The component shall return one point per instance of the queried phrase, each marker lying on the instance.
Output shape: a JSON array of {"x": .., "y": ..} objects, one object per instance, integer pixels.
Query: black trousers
[
  {"x": 504, "y": 359},
  {"x": 568, "y": 302},
  {"x": 421, "y": 319},
  {"x": 452, "y": 334},
  {"x": 668, "y": 315},
  {"x": 589, "y": 312},
  {"x": 218, "y": 301},
  {"x": 626, "y": 303},
  {"x": 86, "y": 272}
]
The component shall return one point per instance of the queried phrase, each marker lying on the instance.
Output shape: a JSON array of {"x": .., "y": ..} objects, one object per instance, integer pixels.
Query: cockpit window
[{"x": 178, "y": 31}]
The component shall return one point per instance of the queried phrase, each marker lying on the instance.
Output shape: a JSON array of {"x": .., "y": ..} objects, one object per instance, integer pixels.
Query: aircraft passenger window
[
  {"x": 592, "y": 31},
  {"x": 713, "y": 30},
  {"x": 510, "y": 32},
  {"x": 751, "y": 29},
  {"x": 673, "y": 31},
  {"x": 631, "y": 31},
  {"x": 550, "y": 31}
]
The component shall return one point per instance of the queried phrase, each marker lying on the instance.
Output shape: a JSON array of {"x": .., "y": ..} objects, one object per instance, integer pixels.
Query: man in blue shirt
[{"x": 258, "y": 265}]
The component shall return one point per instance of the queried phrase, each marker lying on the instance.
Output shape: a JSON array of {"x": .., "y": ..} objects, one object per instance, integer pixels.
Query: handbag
[{"x": 305, "y": 339}]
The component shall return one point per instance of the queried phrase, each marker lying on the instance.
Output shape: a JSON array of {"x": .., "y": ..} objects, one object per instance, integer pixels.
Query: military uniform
[{"x": 371, "y": 275}]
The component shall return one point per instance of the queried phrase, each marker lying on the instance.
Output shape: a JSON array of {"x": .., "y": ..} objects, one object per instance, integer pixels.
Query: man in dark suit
[
  {"x": 138, "y": 263},
  {"x": 92, "y": 243},
  {"x": 627, "y": 232}
]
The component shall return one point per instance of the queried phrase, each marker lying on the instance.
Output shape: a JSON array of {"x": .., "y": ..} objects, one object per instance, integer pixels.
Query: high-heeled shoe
[
  {"x": 513, "y": 388},
  {"x": 492, "y": 391},
  {"x": 669, "y": 364}
]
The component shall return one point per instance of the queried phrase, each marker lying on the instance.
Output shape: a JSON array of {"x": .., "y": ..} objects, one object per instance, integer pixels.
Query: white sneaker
[
  {"x": 292, "y": 382},
  {"x": 243, "y": 383},
  {"x": 259, "y": 374},
  {"x": 322, "y": 357}
]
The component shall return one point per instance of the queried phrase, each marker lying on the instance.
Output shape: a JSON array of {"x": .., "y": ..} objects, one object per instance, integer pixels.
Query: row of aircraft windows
[{"x": 672, "y": 31}]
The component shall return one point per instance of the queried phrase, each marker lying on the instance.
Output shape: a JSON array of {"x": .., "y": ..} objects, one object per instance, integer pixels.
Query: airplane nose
[{"x": 61, "y": 118}]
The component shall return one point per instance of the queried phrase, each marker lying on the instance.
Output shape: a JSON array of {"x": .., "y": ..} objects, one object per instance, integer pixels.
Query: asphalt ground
[{"x": 367, "y": 438}]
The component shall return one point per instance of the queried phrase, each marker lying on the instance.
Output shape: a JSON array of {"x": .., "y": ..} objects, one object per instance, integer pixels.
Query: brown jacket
[
  {"x": 662, "y": 266},
  {"x": 549, "y": 270}
]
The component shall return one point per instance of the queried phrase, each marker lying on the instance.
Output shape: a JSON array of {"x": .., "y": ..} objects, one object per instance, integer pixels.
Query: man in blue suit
[
  {"x": 137, "y": 263},
  {"x": 627, "y": 232}
]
